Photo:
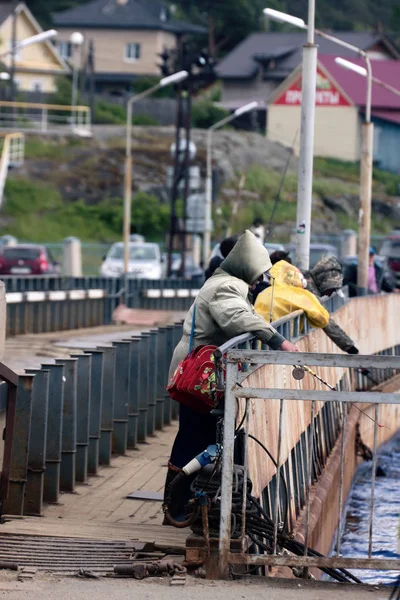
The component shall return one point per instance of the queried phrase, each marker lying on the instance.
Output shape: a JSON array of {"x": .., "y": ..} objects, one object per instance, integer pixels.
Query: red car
[{"x": 27, "y": 259}]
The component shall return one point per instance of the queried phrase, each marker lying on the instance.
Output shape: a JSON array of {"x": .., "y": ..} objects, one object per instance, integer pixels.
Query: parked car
[
  {"x": 191, "y": 269},
  {"x": 317, "y": 251},
  {"x": 268, "y": 245},
  {"x": 27, "y": 259},
  {"x": 273, "y": 247},
  {"x": 145, "y": 261},
  {"x": 389, "y": 253}
]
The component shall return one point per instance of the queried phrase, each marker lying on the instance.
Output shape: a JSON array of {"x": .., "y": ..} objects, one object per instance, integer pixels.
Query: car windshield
[
  {"x": 391, "y": 249},
  {"x": 136, "y": 252},
  {"x": 21, "y": 253}
]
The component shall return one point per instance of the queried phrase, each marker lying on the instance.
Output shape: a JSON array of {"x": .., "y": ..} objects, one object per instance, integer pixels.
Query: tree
[{"x": 228, "y": 22}]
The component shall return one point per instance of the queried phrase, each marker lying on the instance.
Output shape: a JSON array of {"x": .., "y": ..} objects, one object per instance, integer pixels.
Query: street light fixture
[
  {"x": 34, "y": 39},
  {"x": 169, "y": 80},
  {"x": 208, "y": 206},
  {"x": 306, "y": 152},
  {"x": 366, "y": 162}
]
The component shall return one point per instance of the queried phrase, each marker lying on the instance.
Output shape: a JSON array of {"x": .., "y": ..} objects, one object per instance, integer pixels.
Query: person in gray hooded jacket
[{"x": 223, "y": 311}]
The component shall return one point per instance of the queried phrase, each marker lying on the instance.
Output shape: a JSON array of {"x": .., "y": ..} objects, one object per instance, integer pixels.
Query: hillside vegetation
[{"x": 74, "y": 187}]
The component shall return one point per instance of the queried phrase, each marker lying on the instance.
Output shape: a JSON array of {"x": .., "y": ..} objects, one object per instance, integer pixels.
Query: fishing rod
[
  {"x": 299, "y": 372},
  {"x": 278, "y": 195}
]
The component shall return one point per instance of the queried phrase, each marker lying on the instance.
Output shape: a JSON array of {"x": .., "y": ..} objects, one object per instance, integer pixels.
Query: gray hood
[{"x": 248, "y": 260}]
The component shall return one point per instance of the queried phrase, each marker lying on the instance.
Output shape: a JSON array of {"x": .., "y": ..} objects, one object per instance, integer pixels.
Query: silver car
[{"x": 144, "y": 261}]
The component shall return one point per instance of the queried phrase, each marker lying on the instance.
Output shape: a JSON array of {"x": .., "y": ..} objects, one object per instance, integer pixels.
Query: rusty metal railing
[{"x": 339, "y": 400}]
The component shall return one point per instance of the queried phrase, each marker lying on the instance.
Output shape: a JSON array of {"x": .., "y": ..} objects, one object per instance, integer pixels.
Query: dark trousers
[{"x": 196, "y": 432}]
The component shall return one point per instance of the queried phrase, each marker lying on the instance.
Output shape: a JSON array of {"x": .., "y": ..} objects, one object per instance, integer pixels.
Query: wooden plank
[{"x": 355, "y": 361}]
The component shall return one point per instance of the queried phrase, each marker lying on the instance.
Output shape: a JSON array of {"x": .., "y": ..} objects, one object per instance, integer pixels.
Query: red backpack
[{"x": 194, "y": 380}]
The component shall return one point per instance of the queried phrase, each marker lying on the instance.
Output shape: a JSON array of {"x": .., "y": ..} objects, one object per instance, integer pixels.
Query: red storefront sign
[{"x": 326, "y": 94}]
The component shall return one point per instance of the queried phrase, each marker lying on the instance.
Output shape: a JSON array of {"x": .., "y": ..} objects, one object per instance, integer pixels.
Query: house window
[
  {"x": 164, "y": 14},
  {"x": 132, "y": 52},
  {"x": 65, "y": 49},
  {"x": 37, "y": 86}
]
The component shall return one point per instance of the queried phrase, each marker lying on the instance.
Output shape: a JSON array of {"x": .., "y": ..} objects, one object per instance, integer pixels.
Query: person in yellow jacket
[{"x": 288, "y": 294}]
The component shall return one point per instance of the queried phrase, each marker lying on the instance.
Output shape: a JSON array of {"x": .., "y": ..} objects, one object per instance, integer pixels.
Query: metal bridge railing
[
  {"x": 44, "y": 304},
  {"x": 73, "y": 415},
  {"x": 326, "y": 430},
  {"x": 45, "y": 118}
]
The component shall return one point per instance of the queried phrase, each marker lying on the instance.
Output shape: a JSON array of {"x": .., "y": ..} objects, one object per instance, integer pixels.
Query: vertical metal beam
[
  {"x": 373, "y": 479},
  {"x": 227, "y": 471},
  {"x": 151, "y": 407},
  {"x": 278, "y": 476},
  {"x": 68, "y": 452},
  {"x": 84, "y": 365},
  {"x": 144, "y": 386},
  {"x": 96, "y": 401},
  {"x": 134, "y": 392},
  {"x": 121, "y": 397},
  {"x": 33, "y": 504},
  {"x": 54, "y": 426},
  {"x": 161, "y": 376},
  {"x": 108, "y": 405},
  {"x": 309, "y": 481},
  {"x": 19, "y": 455}
]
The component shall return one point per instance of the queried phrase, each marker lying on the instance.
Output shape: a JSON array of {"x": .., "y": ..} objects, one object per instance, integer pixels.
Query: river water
[{"x": 386, "y": 529}]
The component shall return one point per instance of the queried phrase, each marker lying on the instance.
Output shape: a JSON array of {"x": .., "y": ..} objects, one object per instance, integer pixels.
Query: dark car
[
  {"x": 27, "y": 259},
  {"x": 192, "y": 271},
  {"x": 389, "y": 253}
]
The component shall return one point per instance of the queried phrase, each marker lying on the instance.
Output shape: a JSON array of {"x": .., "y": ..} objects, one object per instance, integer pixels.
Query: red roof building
[{"x": 340, "y": 108}]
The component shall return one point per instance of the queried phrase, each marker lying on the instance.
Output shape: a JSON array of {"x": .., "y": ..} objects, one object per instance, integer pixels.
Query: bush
[
  {"x": 144, "y": 120},
  {"x": 149, "y": 217},
  {"x": 109, "y": 113},
  {"x": 144, "y": 83},
  {"x": 206, "y": 113}
]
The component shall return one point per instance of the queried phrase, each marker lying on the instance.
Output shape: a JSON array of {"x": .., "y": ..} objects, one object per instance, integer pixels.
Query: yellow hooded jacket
[{"x": 288, "y": 296}]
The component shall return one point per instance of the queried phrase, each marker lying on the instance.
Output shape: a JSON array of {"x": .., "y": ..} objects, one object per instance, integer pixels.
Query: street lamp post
[
  {"x": 366, "y": 162},
  {"x": 174, "y": 78},
  {"x": 77, "y": 40},
  {"x": 305, "y": 167},
  {"x": 209, "y": 191},
  {"x": 366, "y": 167}
]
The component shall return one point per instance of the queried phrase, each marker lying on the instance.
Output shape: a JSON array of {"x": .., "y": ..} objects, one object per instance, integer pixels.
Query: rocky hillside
[{"x": 74, "y": 187}]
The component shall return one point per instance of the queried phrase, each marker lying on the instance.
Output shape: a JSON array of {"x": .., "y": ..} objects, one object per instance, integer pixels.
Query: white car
[{"x": 144, "y": 261}]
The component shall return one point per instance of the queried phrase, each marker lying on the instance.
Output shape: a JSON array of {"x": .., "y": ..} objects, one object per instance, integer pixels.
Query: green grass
[{"x": 36, "y": 147}]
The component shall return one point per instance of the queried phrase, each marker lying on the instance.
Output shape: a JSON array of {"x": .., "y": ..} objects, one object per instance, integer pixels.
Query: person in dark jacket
[
  {"x": 379, "y": 278},
  {"x": 225, "y": 247},
  {"x": 323, "y": 280}
]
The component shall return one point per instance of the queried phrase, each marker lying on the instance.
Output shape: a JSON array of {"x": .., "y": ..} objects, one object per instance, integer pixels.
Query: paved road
[{"x": 46, "y": 588}]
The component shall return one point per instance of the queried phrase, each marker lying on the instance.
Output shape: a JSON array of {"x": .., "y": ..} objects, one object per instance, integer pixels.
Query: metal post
[
  {"x": 54, "y": 425},
  {"x": 75, "y": 73},
  {"x": 208, "y": 206},
  {"x": 134, "y": 392},
  {"x": 33, "y": 503},
  {"x": 373, "y": 480},
  {"x": 144, "y": 387},
  {"x": 14, "y": 504},
  {"x": 107, "y": 408},
  {"x": 227, "y": 471},
  {"x": 128, "y": 188},
  {"x": 67, "y": 473},
  {"x": 96, "y": 401},
  {"x": 121, "y": 397},
  {"x": 305, "y": 168},
  {"x": 83, "y": 414},
  {"x": 364, "y": 222}
]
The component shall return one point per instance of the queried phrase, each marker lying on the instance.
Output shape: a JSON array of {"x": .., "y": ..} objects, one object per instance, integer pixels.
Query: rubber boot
[{"x": 171, "y": 474}]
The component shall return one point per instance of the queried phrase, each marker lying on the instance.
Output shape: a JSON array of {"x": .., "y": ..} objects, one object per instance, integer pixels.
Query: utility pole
[
  {"x": 305, "y": 167},
  {"x": 91, "y": 68}
]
